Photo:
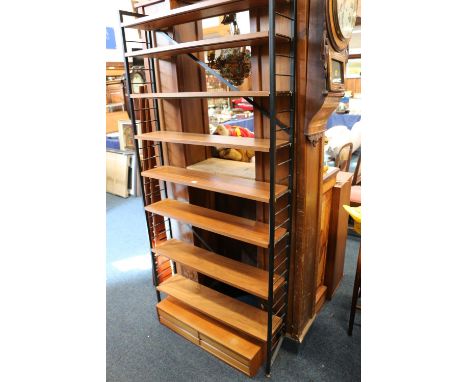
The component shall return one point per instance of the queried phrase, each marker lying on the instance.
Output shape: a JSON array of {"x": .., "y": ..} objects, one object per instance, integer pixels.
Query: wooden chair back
[
  {"x": 357, "y": 173},
  {"x": 343, "y": 159}
]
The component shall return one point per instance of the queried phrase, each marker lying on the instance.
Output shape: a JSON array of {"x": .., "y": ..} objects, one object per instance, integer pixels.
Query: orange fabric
[{"x": 238, "y": 131}]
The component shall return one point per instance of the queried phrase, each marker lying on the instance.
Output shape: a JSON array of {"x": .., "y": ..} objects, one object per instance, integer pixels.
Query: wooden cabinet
[{"x": 115, "y": 92}]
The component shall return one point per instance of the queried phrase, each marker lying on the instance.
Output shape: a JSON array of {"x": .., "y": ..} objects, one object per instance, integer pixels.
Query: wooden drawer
[
  {"x": 178, "y": 323},
  {"x": 245, "y": 354}
]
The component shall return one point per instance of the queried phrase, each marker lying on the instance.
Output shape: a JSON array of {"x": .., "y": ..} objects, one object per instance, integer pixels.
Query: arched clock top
[{"x": 341, "y": 17}]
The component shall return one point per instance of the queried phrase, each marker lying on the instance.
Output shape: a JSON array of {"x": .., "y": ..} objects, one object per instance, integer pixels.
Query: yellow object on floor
[{"x": 355, "y": 213}]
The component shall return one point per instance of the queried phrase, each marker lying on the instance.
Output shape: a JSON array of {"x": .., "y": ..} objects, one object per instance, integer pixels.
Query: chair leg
[{"x": 356, "y": 293}]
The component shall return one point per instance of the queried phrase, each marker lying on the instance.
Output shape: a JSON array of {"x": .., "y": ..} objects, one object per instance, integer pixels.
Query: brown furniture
[
  {"x": 337, "y": 232},
  {"x": 278, "y": 221}
]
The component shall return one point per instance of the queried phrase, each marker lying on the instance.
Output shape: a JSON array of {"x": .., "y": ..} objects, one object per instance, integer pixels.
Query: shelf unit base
[{"x": 224, "y": 343}]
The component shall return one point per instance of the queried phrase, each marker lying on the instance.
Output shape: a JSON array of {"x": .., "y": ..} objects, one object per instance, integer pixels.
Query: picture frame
[
  {"x": 336, "y": 71},
  {"x": 125, "y": 130}
]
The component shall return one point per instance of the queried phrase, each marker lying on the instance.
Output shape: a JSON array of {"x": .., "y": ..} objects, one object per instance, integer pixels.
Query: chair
[
  {"x": 355, "y": 213},
  {"x": 343, "y": 159},
  {"x": 355, "y": 197}
]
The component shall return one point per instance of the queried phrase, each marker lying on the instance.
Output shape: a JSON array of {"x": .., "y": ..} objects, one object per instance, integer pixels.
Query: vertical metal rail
[
  {"x": 272, "y": 215},
  {"x": 152, "y": 71},
  {"x": 272, "y": 352},
  {"x": 137, "y": 148},
  {"x": 292, "y": 127}
]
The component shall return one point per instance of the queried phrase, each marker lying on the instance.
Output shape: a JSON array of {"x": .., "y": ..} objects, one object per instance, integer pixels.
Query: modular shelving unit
[{"x": 243, "y": 335}]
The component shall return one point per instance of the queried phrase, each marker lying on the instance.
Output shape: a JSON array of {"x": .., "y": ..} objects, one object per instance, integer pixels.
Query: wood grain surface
[
  {"x": 246, "y": 39},
  {"x": 227, "y": 310},
  {"x": 230, "y": 185},
  {"x": 220, "y": 141},
  {"x": 242, "y": 276},
  {"x": 197, "y": 11},
  {"x": 215, "y": 94},
  {"x": 249, "y": 231}
]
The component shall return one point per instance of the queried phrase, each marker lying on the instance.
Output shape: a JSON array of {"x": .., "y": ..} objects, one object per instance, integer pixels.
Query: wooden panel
[
  {"x": 117, "y": 174},
  {"x": 219, "y": 141},
  {"x": 329, "y": 178},
  {"x": 320, "y": 298},
  {"x": 247, "y": 39},
  {"x": 324, "y": 226},
  {"x": 245, "y": 348},
  {"x": 353, "y": 84},
  {"x": 112, "y": 119},
  {"x": 230, "y": 185},
  {"x": 215, "y": 94},
  {"x": 229, "y": 311},
  {"x": 197, "y": 11},
  {"x": 236, "y": 227},
  {"x": 179, "y": 330},
  {"x": 226, "y": 167},
  {"x": 228, "y": 345},
  {"x": 223, "y": 356},
  {"x": 338, "y": 232},
  {"x": 186, "y": 327},
  {"x": 245, "y": 277}
]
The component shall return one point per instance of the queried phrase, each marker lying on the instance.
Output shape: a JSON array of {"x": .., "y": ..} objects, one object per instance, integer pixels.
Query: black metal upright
[
  {"x": 153, "y": 231},
  {"x": 280, "y": 306},
  {"x": 272, "y": 220}
]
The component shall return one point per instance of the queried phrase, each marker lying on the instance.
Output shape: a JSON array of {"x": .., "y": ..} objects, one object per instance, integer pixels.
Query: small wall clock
[{"x": 341, "y": 18}]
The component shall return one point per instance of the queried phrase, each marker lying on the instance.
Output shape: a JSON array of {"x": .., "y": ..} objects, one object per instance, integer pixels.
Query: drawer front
[
  {"x": 178, "y": 323},
  {"x": 224, "y": 349},
  {"x": 178, "y": 330},
  {"x": 226, "y": 358}
]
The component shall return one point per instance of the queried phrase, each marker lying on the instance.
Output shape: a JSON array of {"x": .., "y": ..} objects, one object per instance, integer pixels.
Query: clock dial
[
  {"x": 136, "y": 80},
  {"x": 346, "y": 11},
  {"x": 341, "y": 18}
]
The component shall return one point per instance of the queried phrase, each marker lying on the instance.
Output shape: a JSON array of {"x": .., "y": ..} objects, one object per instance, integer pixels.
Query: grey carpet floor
[{"x": 139, "y": 349}]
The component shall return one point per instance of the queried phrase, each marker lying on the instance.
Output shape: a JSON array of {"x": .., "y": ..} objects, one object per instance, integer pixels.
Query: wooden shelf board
[
  {"x": 247, "y": 39},
  {"x": 197, "y": 11},
  {"x": 219, "y": 141},
  {"x": 227, "y": 310},
  {"x": 225, "y": 167},
  {"x": 239, "y": 275},
  {"x": 229, "y": 185},
  {"x": 215, "y": 94},
  {"x": 246, "y": 230}
]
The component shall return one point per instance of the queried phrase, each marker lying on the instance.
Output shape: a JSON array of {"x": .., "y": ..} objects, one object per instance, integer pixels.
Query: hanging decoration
[{"x": 232, "y": 63}]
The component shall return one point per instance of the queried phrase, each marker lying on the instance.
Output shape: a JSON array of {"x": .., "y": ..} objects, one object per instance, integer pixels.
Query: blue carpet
[{"x": 139, "y": 349}]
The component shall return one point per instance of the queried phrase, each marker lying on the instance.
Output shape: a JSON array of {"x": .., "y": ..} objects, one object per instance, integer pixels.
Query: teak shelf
[
  {"x": 229, "y": 185},
  {"x": 219, "y": 141},
  {"x": 229, "y": 311},
  {"x": 215, "y": 94},
  {"x": 246, "y": 230},
  {"x": 242, "y": 276},
  {"x": 197, "y": 11},
  {"x": 248, "y": 39}
]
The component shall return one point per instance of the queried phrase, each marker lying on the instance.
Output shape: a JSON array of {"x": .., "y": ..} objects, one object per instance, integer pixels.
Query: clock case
[{"x": 337, "y": 49}]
